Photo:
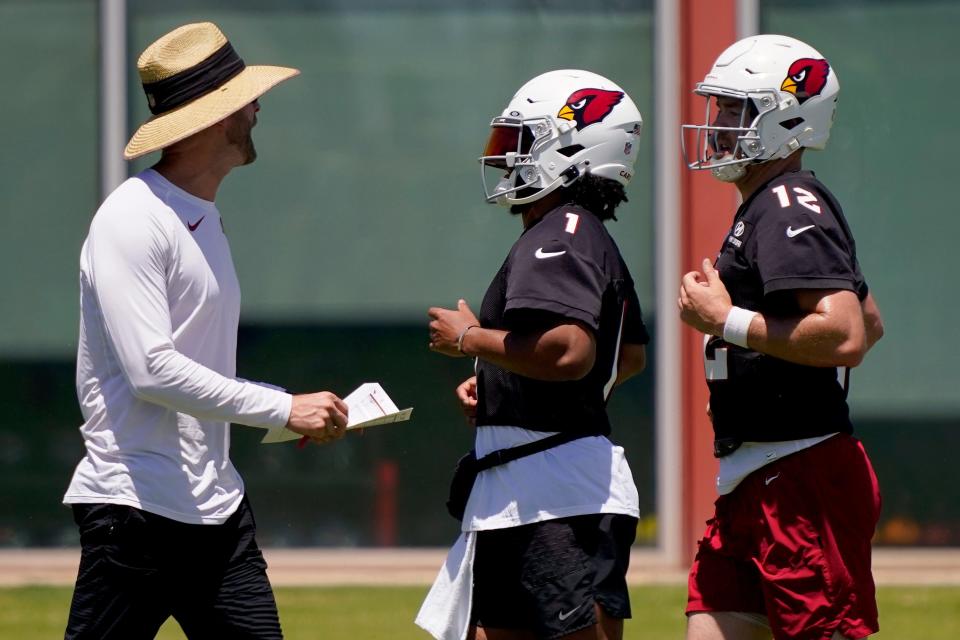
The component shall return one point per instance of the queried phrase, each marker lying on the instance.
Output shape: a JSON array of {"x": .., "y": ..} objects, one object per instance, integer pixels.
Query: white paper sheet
[{"x": 369, "y": 406}]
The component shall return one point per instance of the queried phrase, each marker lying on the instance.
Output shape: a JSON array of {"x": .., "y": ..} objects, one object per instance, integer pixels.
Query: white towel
[{"x": 445, "y": 612}]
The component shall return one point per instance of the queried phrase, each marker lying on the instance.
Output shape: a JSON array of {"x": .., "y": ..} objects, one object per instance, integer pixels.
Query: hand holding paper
[
  {"x": 319, "y": 416},
  {"x": 369, "y": 406}
]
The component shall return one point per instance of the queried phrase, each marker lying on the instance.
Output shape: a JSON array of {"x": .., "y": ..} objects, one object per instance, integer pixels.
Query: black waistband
[
  {"x": 722, "y": 447},
  {"x": 503, "y": 456},
  {"x": 169, "y": 93}
]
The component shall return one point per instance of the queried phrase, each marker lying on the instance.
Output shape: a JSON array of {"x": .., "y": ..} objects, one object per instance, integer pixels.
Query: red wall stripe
[{"x": 707, "y": 206}]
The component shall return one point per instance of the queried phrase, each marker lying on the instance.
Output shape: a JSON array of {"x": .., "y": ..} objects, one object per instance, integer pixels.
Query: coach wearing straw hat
[{"x": 165, "y": 527}]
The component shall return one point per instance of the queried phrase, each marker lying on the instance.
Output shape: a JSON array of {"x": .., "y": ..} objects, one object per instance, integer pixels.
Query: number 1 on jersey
[{"x": 572, "y": 221}]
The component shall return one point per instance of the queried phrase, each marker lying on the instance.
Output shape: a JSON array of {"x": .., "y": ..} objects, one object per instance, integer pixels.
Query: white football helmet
[
  {"x": 789, "y": 93},
  {"x": 559, "y": 126}
]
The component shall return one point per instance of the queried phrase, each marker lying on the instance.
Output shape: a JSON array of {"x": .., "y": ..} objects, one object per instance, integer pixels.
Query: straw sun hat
[{"x": 193, "y": 78}]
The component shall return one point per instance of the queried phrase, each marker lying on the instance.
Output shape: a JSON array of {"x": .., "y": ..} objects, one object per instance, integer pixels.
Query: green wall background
[{"x": 48, "y": 170}]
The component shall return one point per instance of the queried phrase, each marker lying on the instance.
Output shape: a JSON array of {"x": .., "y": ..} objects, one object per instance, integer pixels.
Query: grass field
[{"x": 374, "y": 613}]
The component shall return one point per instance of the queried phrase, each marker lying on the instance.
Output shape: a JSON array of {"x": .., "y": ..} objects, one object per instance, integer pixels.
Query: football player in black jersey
[
  {"x": 786, "y": 313},
  {"x": 559, "y": 327}
]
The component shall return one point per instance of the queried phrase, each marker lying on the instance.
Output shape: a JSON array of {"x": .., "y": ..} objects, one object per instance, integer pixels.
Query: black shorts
[
  {"x": 547, "y": 576},
  {"x": 137, "y": 569}
]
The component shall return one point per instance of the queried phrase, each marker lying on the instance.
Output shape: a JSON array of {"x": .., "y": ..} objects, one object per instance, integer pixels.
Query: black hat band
[{"x": 180, "y": 88}]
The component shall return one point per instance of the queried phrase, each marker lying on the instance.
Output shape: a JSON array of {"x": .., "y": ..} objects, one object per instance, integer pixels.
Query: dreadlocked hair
[{"x": 599, "y": 196}]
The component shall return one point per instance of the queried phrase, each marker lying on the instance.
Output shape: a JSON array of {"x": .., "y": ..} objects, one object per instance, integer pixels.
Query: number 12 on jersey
[{"x": 804, "y": 198}]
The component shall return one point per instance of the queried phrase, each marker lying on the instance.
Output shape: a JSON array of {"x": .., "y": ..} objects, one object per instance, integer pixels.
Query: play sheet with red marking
[{"x": 369, "y": 406}]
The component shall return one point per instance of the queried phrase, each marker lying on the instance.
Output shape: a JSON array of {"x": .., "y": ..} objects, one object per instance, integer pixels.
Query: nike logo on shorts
[{"x": 566, "y": 614}]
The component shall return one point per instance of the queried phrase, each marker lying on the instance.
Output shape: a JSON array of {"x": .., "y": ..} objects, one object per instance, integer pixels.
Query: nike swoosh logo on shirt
[
  {"x": 771, "y": 479},
  {"x": 193, "y": 227},
  {"x": 564, "y": 615},
  {"x": 793, "y": 233},
  {"x": 548, "y": 254}
]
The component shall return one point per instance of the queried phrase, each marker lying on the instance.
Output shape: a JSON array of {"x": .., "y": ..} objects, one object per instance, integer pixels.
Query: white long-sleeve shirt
[{"x": 156, "y": 362}]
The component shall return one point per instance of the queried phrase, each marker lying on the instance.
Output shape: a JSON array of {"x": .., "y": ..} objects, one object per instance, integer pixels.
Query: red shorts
[{"x": 792, "y": 542}]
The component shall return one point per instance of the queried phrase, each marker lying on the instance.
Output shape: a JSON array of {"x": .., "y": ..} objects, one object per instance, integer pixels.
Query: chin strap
[
  {"x": 567, "y": 177},
  {"x": 729, "y": 172}
]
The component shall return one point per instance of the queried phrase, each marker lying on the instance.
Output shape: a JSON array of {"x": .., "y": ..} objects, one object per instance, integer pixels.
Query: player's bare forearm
[
  {"x": 872, "y": 322},
  {"x": 560, "y": 353},
  {"x": 564, "y": 351},
  {"x": 829, "y": 332}
]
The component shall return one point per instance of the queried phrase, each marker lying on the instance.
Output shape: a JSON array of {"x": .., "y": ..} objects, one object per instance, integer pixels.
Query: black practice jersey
[
  {"x": 566, "y": 266},
  {"x": 789, "y": 235}
]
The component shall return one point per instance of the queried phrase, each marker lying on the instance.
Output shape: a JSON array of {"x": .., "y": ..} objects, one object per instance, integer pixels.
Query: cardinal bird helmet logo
[
  {"x": 589, "y": 106},
  {"x": 806, "y": 78},
  {"x": 558, "y": 127}
]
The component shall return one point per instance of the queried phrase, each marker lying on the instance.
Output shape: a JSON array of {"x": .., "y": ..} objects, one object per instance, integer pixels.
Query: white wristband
[{"x": 737, "y": 326}]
